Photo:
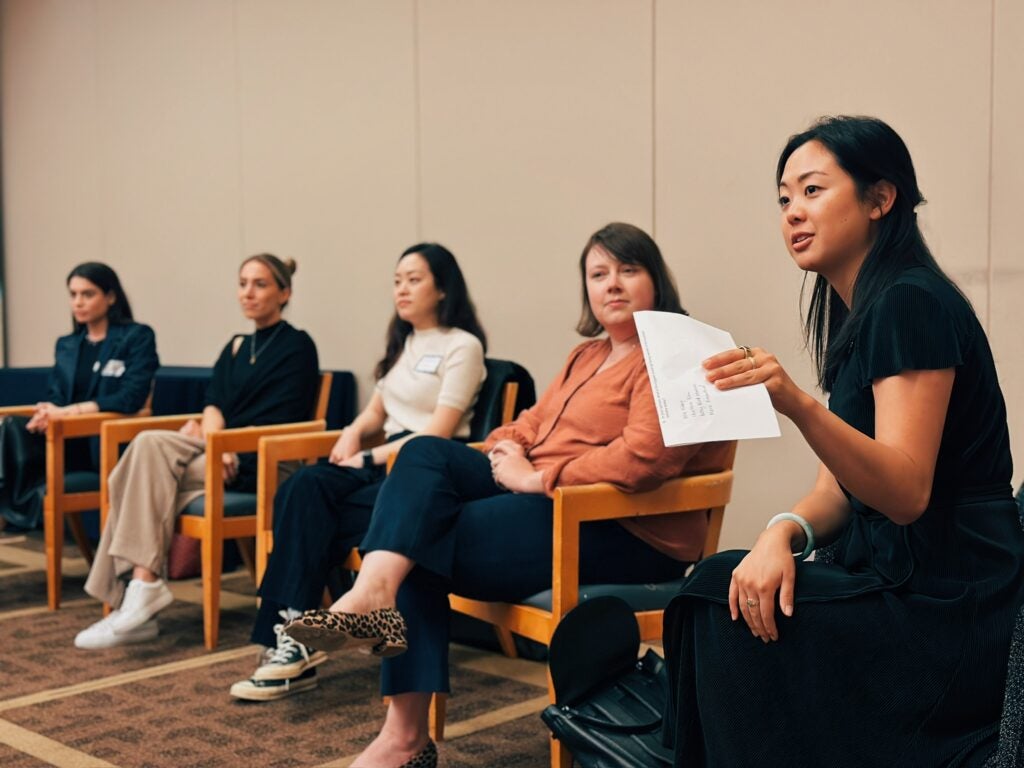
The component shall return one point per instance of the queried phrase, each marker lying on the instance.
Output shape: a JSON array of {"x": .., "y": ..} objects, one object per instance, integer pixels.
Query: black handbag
[
  {"x": 22, "y": 472},
  {"x": 608, "y": 703}
]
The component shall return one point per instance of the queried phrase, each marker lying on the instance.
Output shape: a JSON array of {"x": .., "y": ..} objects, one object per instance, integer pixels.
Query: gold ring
[
  {"x": 752, "y": 603},
  {"x": 753, "y": 364},
  {"x": 746, "y": 350}
]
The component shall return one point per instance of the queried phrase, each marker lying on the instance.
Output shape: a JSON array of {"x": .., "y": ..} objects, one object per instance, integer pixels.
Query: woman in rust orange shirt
[{"x": 453, "y": 519}]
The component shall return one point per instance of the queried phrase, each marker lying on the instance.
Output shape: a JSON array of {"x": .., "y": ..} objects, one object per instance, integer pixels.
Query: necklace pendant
[{"x": 252, "y": 359}]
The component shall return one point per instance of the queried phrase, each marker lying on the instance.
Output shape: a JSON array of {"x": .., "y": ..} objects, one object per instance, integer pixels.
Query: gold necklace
[{"x": 253, "y": 354}]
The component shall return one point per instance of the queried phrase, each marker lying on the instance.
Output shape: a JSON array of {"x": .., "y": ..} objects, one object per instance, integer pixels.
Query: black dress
[{"x": 896, "y": 654}]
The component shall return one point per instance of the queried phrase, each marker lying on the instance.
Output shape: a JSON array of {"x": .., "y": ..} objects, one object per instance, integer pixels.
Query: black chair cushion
[
  {"x": 235, "y": 505},
  {"x": 639, "y": 597},
  {"x": 81, "y": 482}
]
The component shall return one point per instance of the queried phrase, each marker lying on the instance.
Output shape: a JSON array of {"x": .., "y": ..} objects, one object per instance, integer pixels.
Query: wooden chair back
[{"x": 574, "y": 505}]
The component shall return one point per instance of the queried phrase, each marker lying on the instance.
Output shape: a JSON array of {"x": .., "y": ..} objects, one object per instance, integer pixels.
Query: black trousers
[
  {"x": 320, "y": 513},
  {"x": 441, "y": 508}
]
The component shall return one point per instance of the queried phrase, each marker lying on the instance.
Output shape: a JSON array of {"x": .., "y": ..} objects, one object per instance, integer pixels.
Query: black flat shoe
[{"x": 383, "y": 630}]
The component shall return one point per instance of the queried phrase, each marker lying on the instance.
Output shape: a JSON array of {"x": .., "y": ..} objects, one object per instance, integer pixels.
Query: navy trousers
[
  {"x": 320, "y": 513},
  {"x": 441, "y": 508}
]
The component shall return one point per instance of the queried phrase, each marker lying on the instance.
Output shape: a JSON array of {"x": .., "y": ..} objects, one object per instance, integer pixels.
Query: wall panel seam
[
  {"x": 654, "y": 119},
  {"x": 417, "y": 120},
  {"x": 991, "y": 164},
  {"x": 239, "y": 130}
]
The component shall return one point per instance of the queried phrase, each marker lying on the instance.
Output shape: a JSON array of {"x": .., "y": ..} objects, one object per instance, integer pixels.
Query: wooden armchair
[
  {"x": 508, "y": 387},
  {"x": 573, "y": 505},
  {"x": 67, "y": 494},
  {"x": 219, "y": 514}
]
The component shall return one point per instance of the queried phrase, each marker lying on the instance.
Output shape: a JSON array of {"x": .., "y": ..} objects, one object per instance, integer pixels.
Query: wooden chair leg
[
  {"x": 560, "y": 756},
  {"x": 247, "y": 549},
  {"x": 53, "y": 533},
  {"x": 506, "y": 641},
  {"x": 78, "y": 532},
  {"x": 436, "y": 718},
  {"x": 213, "y": 563}
]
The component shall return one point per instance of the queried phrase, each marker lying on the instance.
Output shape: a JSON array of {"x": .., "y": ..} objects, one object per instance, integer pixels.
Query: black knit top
[
  {"x": 921, "y": 322},
  {"x": 896, "y": 652},
  {"x": 280, "y": 386}
]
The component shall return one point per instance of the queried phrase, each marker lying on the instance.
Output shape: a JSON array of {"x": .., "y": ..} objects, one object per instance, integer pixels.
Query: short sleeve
[
  {"x": 908, "y": 329},
  {"x": 463, "y": 374}
]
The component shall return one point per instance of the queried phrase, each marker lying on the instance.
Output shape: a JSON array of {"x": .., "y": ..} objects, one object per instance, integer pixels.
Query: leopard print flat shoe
[
  {"x": 425, "y": 758},
  {"x": 382, "y": 631}
]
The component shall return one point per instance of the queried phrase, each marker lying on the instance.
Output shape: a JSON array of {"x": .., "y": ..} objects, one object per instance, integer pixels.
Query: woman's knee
[
  {"x": 298, "y": 494},
  {"x": 150, "y": 441},
  {"x": 423, "y": 448},
  {"x": 429, "y": 452}
]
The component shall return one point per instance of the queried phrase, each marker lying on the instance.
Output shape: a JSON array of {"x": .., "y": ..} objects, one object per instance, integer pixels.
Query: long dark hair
[
  {"x": 869, "y": 151},
  {"x": 454, "y": 310},
  {"x": 630, "y": 245},
  {"x": 104, "y": 278}
]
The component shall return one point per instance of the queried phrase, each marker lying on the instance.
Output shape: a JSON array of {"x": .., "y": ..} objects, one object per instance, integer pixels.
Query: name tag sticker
[
  {"x": 429, "y": 364},
  {"x": 113, "y": 368}
]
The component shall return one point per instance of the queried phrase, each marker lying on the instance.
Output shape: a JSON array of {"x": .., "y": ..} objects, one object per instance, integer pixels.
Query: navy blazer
[{"x": 124, "y": 374}]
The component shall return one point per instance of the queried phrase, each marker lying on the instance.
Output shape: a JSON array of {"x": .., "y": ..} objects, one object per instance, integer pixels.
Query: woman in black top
[
  {"x": 267, "y": 377},
  {"x": 106, "y": 363},
  {"x": 896, "y": 654}
]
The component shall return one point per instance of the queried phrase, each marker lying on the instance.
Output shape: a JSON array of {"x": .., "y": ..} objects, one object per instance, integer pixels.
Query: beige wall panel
[
  {"x": 733, "y": 81},
  {"x": 51, "y": 175},
  {"x": 170, "y": 192},
  {"x": 535, "y": 131},
  {"x": 1006, "y": 331},
  {"x": 328, "y": 135}
]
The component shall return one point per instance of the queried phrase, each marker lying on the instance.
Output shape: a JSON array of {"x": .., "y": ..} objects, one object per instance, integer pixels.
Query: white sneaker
[
  {"x": 102, "y": 634},
  {"x": 142, "y": 601}
]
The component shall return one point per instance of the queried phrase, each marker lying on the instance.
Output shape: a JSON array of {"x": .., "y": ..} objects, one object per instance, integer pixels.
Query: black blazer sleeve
[
  {"x": 65, "y": 354},
  {"x": 135, "y": 348}
]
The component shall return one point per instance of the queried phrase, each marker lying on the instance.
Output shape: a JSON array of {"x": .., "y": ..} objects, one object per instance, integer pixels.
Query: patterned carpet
[{"x": 166, "y": 703}]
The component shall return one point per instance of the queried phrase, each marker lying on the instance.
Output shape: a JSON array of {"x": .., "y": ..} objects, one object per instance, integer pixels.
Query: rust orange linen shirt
[{"x": 591, "y": 427}]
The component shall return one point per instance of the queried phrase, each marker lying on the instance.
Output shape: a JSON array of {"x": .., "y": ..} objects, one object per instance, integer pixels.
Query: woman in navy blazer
[{"x": 106, "y": 363}]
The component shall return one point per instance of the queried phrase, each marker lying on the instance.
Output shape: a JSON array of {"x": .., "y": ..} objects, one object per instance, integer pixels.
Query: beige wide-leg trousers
[{"x": 156, "y": 478}]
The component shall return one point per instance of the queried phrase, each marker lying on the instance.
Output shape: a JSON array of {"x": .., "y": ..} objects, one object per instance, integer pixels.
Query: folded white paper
[{"x": 690, "y": 408}]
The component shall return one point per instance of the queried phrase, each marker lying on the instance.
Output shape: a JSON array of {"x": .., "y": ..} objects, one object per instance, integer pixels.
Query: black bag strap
[
  {"x": 608, "y": 725},
  {"x": 652, "y": 665}
]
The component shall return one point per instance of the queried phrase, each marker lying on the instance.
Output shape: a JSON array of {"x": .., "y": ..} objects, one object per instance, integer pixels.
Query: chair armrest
[
  {"x": 603, "y": 501},
  {"x": 17, "y": 410},
  {"x": 121, "y": 431},
  {"x": 247, "y": 439},
  {"x": 574, "y": 505},
  {"x": 80, "y": 425},
  {"x": 117, "y": 432},
  {"x": 59, "y": 430},
  {"x": 272, "y": 451},
  {"x": 242, "y": 440}
]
